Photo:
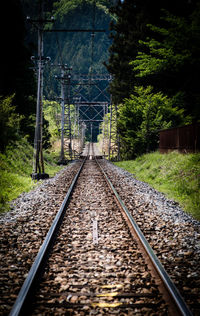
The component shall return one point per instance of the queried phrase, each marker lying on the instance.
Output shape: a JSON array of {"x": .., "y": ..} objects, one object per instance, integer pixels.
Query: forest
[
  {"x": 154, "y": 60},
  {"x": 151, "y": 49}
]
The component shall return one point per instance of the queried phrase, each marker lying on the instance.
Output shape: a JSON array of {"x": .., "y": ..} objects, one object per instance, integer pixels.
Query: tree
[
  {"x": 125, "y": 36},
  {"x": 9, "y": 122},
  {"x": 140, "y": 119},
  {"x": 164, "y": 55},
  {"x": 130, "y": 27},
  {"x": 17, "y": 78},
  {"x": 52, "y": 114},
  {"x": 172, "y": 63}
]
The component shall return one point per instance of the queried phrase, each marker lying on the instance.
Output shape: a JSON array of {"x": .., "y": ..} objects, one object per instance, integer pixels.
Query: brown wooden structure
[{"x": 184, "y": 139}]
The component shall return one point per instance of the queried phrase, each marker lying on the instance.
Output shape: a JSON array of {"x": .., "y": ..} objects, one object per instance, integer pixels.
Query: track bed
[
  {"x": 90, "y": 274},
  {"x": 96, "y": 266}
]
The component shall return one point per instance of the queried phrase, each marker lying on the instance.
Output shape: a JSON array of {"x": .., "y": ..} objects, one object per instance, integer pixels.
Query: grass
[
  {"x": 16, "y": 168},
  {"x": 176, "y": 175}
]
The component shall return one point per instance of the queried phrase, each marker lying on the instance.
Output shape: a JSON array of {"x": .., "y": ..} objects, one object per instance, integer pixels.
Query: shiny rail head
[{"x": 91, "y": 157}]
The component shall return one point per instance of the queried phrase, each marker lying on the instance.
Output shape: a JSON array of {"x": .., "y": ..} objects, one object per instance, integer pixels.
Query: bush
[
  {"x": 9, "y": 121},
  {"x": 140, "y": 119}
]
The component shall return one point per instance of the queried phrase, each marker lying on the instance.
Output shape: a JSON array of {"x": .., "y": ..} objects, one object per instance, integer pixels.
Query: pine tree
[
  {"x": 132, "y": 17},
  {"x": 130, "y": 26},
  {"x": 172, "y": 63}
]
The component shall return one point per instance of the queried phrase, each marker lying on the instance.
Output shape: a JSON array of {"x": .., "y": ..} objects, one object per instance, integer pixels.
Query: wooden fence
[{"x": 183, "y": 139}]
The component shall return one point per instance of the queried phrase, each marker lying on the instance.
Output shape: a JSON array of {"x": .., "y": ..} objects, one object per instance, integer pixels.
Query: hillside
[{"x": 79, "y": 50}]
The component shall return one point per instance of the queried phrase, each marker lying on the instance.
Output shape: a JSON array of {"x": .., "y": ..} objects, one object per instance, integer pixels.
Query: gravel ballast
[
  {"x": 174, "y": 235},
  {"x": 23, "y": 230}
]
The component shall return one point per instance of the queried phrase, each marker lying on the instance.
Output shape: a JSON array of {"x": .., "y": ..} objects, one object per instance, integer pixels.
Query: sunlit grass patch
[
  {"x": 176, "y": 175},
  {"x": 15, "y": 171}
]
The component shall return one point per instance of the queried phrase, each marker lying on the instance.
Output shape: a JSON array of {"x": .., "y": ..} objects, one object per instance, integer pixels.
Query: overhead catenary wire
[{"x": 91, "y": 81}]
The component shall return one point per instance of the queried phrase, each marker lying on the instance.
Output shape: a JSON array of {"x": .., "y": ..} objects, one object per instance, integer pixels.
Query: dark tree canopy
[
  {"x": 132, "y": 18},
  {"x": 154, "y": 60},
  {"x": 16, "y": 76}
]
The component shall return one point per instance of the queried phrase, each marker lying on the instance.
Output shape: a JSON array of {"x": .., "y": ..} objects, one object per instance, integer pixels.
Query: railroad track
[{"x": 95, "y": 260}]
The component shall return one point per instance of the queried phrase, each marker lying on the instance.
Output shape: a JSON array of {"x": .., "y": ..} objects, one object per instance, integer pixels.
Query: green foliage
[
  {"x": 140, "y": 119},
  {"x": 169, "y": 54},
  {"x": 15, "y": 172},
  {"x": 169, "y": 60},
  {"x": 17, "y": 88},
  {"x": 129, "y": 29},
  {"x": 64, "y": 7},
  {"x": 16, "y": 169},
  {"x": 164, "y": 55},
  {"x": 108, "y": 134},
  {"x": 9, "y": 121},
  {"x": 81, "y": 51},
  {"x": 75, "y": 49},
  {"x": 124, "y": 37},
  {"x": 146, "y": 64},
  {"x": 46, "y": 134},
  {"x": 52, "y": 113},
  {"x": 176, "y": 175}
]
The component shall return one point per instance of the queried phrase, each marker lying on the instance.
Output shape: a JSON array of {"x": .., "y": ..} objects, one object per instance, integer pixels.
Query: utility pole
[
  {"x": 38, "y": 164},
  {"x": 62, "y": 155},
  {"x": 68, "y": 125},
  {"x": 62, "y": 160},
  {"x": 117, "y": 135},
  {"x": 110, "y": 134},
  {"x": 75, "y": 135},
  {"x": 65, "y": 113},
  {"x": 103, "y": 132},
  {"x": 91, "y": 130},
  {"x": 69, "y": 83},
  {"x": 83, "y": 128},
  {"x": 114, "y": 142}
]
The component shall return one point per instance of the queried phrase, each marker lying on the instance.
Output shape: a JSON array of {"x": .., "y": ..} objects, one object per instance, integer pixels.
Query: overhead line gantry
[{"x": 77, "y": 79}]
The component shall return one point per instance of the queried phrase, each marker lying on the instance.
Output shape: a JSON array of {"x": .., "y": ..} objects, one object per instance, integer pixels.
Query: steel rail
[
  {"x": 170, "y": 286},
  {"x": 35, "y": 272}
]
